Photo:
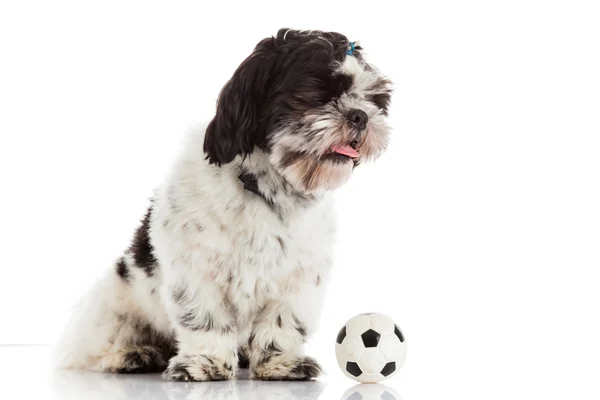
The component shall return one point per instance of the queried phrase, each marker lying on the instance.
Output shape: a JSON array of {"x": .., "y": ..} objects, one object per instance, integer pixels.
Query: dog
[{"x": 229, "y": 265}]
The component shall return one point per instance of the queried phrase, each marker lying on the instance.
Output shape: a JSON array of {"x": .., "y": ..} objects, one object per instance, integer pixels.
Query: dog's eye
[
  {"x": 381, "y": 100},
  {"x": 339, "y": 84}
]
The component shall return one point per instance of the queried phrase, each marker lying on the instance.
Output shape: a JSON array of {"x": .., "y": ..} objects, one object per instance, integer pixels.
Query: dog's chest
[
  {"x": 273, "y": 256},
  {"x": 242, "y": 245}
]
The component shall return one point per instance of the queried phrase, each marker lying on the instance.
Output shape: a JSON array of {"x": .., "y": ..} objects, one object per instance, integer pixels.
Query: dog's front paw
[
  {"x": 281, "y": 368},
  {"x": 198, "y": 368}
]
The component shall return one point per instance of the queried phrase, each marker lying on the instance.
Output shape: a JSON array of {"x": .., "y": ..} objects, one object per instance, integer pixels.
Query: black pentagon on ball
[
  {"x": 371, "y": 338},
  {"x": 388, "y": 369},
  {"x": 353, "y": 368},
  {"x": 341, "y": 335},
  {"x": 398, "y": 333}
]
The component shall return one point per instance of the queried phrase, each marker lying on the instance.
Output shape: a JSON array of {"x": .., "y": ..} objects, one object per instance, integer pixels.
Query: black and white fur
[{"x": 230, "y": 262}]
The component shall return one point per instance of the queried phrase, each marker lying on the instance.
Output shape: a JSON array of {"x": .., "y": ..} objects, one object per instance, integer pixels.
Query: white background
[{"x": 478, "y": 231}]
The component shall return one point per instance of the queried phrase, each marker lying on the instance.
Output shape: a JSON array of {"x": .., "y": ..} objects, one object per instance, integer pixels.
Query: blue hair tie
[{"x": 349, "y": 52}]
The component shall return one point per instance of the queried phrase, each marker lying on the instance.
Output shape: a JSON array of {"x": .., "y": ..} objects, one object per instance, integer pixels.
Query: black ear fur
[
  {"x": 279, "y": 71},
  {"x": 236, "y": 129}
]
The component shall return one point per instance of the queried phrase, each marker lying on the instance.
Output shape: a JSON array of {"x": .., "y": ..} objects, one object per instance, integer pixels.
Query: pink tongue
[{"x": 346, "y": 150}]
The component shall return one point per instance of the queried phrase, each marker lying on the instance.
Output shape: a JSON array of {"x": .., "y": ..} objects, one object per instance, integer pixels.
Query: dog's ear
[{"x": 236, "y": 128}]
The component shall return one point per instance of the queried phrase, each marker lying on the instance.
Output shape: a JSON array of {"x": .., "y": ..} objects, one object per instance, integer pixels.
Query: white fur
[{"x": 232, "y": 255}]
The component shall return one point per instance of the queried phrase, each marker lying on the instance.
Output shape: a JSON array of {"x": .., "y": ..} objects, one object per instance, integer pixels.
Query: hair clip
[
  {"x": 354, "y": 46},
  {"x": 349, "y": 52}
]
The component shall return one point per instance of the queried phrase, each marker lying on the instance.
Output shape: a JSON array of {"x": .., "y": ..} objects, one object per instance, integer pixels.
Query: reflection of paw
[
  {"x": 226, "y": 390},
  {"x": 280, "y": 368},
  {"x": 142, "y": 360},
  {"x": 371, "y": 391},
  {"x": 197, "y": 369}
]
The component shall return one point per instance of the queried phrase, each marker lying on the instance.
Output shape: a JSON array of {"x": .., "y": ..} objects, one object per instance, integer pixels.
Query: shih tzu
[{"x": 230, "y": 262}]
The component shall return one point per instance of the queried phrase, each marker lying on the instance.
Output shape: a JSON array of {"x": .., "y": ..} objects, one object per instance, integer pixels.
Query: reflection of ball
[
  {"x": 370, "y": 348},
  {"x": 371, "y": 392}
]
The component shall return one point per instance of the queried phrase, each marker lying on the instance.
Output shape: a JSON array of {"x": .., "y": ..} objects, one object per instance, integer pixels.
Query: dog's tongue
[{"x": 345, "y": 150}]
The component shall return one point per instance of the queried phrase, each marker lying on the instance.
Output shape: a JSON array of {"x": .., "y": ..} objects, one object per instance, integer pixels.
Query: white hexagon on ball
[{"x": 370, "y": 348}]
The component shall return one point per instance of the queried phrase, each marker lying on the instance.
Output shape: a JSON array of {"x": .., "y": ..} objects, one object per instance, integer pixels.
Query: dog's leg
[
  {"x": 108, "y": 333},
  {"x": 278, "y": 335},
  {"x": 206, "y": 332}
]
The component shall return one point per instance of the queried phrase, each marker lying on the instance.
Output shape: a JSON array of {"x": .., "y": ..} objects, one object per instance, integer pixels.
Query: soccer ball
[
  {"x": 375, "y": 391},
  {"x": 370, "y": 348}
]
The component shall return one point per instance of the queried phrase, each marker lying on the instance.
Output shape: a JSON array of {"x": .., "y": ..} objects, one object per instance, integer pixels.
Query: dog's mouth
[{"x": 343, "y": 152}]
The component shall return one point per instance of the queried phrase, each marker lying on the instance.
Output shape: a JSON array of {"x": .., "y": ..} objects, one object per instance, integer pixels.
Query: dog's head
[{"x": 310, "y": 101}]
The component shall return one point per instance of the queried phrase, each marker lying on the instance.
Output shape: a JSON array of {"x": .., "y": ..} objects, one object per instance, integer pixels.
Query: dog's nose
[{"x": 358, "y": 118}]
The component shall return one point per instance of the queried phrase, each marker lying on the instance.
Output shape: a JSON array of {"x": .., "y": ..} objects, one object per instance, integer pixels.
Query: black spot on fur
[
  {"x": 243, "y": 360},
  {"x": 273, "y": 348},
  {"x": 122, "y": 269},
  {"x": 382, "y": 101},
  {"x": 301, "y": 330},
  {"x": 174, "y": 205},
  {"x": 178, "y": 294},
  {"x": 145, "y": 334},
  {"x": 383, "y": 98},
  {"x": 143, "y": 360},
  {"x": 340, "y": 83},
  {"x": 141, "y": 248},
  {"x": 300, "y": 327},
  {"x": 187, "y": 320},
  {"x": 210, "y": 360},
  {"x": 279, "y": 321},
  {"x": 281, "y": 243},
  {"x": 151, "y": 348},
  {"x": 269, "y": 352},
  {"x": 205, "y": 323}
]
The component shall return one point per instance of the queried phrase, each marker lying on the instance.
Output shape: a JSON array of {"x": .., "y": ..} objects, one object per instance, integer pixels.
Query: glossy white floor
[
  {"x": 435, "y": 372},
  {"x": 25, "y": 373}
]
